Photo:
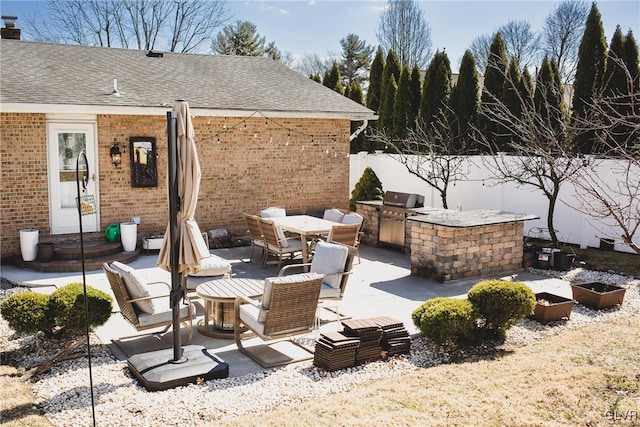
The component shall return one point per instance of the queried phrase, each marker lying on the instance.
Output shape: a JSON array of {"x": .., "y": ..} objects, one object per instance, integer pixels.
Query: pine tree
[
  {"x": 589, "y": 74},
  {"x": 526, "y": 89},
  {"x": 416, "y": 94},
  {"x": 316, "y": 77},
  {"x": 375, "y": 81},
  {"x": 615, "y": 81},
  {"x": 240, "y": 38},
  {"x": 402, "y": 105},
  {"x": 631, "y": 59},
  {"x": 465, "y": 101},
  {"x": 437, "y": 88},
  {"x": 391, "y": 69},
  {"x": 355, "y": 92},
  {"x": 494, "y": 76},
  {"x": 548, "y": 97},
  {"x": 385, "y": 122},
  {"x": 332, "y": 78},
  {"x": 367, "y": 188},
  {"x": 510, "y": 97}
]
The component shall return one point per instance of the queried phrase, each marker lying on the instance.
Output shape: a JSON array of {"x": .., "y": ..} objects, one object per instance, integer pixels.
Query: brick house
[{"x": 266, "y": 136}]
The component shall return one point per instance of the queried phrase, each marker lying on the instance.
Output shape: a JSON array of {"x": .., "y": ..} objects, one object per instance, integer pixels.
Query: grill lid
[{"x": 402, "y": 200}]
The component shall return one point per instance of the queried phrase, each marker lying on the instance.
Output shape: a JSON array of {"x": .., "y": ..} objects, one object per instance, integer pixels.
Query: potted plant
[
  {"x": 598, "y": 295},
  {"x": 551, "y": 307}
]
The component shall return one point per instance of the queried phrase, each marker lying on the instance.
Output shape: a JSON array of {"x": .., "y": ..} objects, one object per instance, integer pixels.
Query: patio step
[{"x": 68, "y": 257}]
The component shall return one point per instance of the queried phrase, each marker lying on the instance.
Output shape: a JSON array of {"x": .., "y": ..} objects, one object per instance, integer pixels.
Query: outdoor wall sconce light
[{"x": 116, "y": 154}]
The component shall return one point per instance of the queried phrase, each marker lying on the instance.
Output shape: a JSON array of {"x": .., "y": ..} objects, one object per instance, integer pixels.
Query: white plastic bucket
[
  {"x": 128, "y": 236},
  {"x": 29, "y": 243}
]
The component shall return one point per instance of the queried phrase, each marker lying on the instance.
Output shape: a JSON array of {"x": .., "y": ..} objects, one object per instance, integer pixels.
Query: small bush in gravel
[
  {"x": 28, "y": 312},
  {"x": 501, "y": 304},
  {"x": 67, "y": 306},
  {"x": 446, "y": 320}
]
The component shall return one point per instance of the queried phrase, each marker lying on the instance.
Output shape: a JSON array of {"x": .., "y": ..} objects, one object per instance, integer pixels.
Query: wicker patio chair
[
  {"x": 255, "y": 233},
  {"x": 277, "y": 243},
  {"x": 155, "y": 311},
  {"x": 287, "y": 309}
]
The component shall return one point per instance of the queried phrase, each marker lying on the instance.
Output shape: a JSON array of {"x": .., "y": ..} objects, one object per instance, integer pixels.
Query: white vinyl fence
[{"x": 478, "y": 191}]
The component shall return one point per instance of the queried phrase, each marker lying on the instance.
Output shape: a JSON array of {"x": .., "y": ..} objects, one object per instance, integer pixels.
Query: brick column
[{"x": 370, "y": 225}]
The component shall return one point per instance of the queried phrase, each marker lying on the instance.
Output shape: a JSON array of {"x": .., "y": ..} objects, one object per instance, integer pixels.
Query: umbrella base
[{"x": 157, "y": 371}]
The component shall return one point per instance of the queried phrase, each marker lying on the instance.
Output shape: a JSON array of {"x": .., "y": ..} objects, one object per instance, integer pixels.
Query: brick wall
[
  {"x": 449, "y": 253},
  {"x": 370, "y": 224},
  {"x": 301, "y": 164}
]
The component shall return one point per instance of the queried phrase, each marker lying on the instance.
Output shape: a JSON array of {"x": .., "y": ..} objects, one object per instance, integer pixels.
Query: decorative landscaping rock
[{"x": 598, "y": 295}]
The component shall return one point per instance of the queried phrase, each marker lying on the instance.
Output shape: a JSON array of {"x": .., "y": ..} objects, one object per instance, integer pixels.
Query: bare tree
[
  {"x": 176, "y": 26},
  {"x": 404, "y": 29},
  {"x": 431, "y": 153},
  {"x": 540, "y": 143},
  {"x": 561, "y": 34},
  {"x": 615, "y": 205},
  {"x": 315, "y": 64},
  {"x": 519, "y": 41}
]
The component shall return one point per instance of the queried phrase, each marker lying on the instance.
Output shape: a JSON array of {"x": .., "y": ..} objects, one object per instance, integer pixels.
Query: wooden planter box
[
  {"x": 598, "y": 295},
  {"x": 551, "y": 307}
]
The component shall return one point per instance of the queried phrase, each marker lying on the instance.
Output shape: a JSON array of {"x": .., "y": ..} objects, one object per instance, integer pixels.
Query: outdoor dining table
[{"x": 306, "y": 226}]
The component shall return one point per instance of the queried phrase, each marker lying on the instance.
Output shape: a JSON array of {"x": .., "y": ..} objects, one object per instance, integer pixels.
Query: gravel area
[{"x": 63, "y": 393}]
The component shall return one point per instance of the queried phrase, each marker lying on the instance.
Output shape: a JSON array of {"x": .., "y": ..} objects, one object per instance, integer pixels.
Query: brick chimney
[{"x": 9, "y": 31}]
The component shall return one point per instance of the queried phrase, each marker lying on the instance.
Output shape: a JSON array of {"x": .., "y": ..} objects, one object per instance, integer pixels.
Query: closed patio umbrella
[{"x": 182, "y": 240}]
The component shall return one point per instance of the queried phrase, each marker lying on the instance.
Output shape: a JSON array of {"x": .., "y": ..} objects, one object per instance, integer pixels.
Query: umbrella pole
[{"x": 174, "y": 238}]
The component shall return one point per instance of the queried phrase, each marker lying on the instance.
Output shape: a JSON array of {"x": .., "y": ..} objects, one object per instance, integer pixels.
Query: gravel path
[{"x": 64, "y": 394}]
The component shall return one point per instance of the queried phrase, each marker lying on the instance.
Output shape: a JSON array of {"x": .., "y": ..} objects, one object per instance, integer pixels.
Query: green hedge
[
  {"x": 502, "y": 304},
  {"x": 445, "y": 320},
  {"x": 67, "y": 306},
  {"x": 60, "y": 312},
  {"x": 27, "y": 312}
]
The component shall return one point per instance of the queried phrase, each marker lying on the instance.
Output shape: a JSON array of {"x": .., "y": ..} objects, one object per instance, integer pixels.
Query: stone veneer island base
[{"x": 449, "y": 245}]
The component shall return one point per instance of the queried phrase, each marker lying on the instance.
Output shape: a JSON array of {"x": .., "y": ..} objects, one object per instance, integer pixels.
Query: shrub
[
  {"x": 367, "y": 188},
  {"x": 501, "y": 304},
  {"x": 445, "y": 320},
  {"x": 67, "y": 306},
  {"x": 27, "y": 312}
]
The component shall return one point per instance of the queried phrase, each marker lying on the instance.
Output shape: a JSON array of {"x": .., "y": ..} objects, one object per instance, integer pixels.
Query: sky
[{"x": 317, "y": 26}]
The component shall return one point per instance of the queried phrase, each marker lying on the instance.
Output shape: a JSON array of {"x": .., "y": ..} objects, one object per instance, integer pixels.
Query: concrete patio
[{"x": 381, "y": 285}]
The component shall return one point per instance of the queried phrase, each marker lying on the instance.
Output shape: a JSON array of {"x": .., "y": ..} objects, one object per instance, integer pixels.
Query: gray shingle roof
[{"x": 43, "y": 73}]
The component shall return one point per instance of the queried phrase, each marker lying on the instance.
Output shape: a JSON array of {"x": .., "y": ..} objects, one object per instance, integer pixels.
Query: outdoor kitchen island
[{"x": 448, "y": 245}]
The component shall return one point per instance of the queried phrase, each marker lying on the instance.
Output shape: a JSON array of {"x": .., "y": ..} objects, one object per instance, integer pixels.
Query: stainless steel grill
[{"x": 393, "y": 214}]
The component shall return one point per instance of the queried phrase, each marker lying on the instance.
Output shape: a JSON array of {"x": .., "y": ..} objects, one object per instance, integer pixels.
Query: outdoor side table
[{"x": 219, "y": 296}]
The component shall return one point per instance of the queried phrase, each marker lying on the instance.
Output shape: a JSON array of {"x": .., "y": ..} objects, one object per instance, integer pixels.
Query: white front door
[{"x": 65, "y": 142}]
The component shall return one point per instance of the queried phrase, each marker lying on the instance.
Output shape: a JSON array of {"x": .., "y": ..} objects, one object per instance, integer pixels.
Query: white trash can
[
  {"x": 128, "y": 236},
  {"x": 29, "y": 243}
]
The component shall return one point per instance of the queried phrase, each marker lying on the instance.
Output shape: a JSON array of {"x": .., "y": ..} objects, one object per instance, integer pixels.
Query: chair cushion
[
  {"x": 329, "y": 292},
  {"x": 333, "y": 215},
  {"x": 352, "y": 218},
  {"x": 163, "y": 313},
  {"x": 273, "y": 212},
  {"x": 330, "y": 258},
  {"x": 136, "y": 287},
  {"x": 213, "y": 265}
]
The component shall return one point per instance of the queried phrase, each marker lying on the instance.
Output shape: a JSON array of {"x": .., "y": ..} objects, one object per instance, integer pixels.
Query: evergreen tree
[
  {"x": 631, "y": 59},
  {"x": 510, "y": 97},
  {"x": 615, "y": 80},
  {"x": 416, "y": 94},
  {"x": 367, "y": 188},
  {"x": 356, "y": 59},
  {"x": 494, "y": 76},
  {"x": 402, "y": 105},
  {"x": 355, "y": 92},
  {"x": 375, "y": 81},
  {"x": 589, "y": 74},
  {"x": 465, "y": 100},
  {"x": 437, "y": 88},
  {"x": 391, "y": 69},
  {"x": 332, "y": 79},
  {"x": 240, "y": 38},
  {"x": 385, "y": 122},
  {"x": 316, "y": 77},
  {"x": 548, "y": 97},
  {"x": 526, "y": 89}
]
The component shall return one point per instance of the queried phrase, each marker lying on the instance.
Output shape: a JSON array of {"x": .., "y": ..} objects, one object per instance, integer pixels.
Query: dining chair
[
  {"x": 355, "y": 218},
  {"x": 277, "y": 243},
  {"x": 273, "y": 212},
  {"x": 334, "y": 215},
  {"x": 346, "y": 234},
  {"x": 255, "y": 233}
]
